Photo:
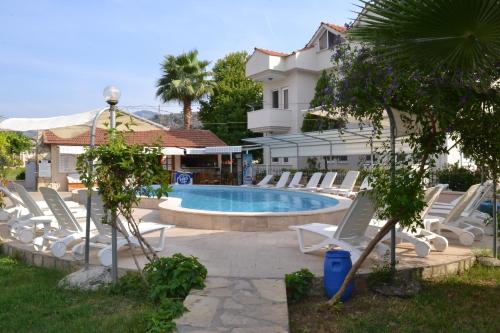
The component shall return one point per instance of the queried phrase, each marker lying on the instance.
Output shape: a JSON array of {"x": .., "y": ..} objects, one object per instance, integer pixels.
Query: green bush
[
  {"x": 175, "y": 276},
  {"x": 458, "y": 178},
  {"x": 21, "y": 175},
  {"x": 169, "y": 280},
  {"x": 161, "y": 321},
  {"x": 298, "y": 284},
  {"x": 131, "y": 285}
]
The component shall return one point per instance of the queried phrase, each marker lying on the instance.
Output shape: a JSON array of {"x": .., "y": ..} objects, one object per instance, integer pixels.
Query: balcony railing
[{"x": 269, "y": 120}]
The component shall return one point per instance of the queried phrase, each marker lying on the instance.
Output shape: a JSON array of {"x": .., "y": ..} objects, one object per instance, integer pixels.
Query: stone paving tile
[{"x": 236, "y": 305}]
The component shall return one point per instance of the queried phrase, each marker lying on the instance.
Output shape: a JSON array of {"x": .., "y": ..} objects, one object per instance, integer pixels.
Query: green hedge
[{"x": 458, "y": 178}]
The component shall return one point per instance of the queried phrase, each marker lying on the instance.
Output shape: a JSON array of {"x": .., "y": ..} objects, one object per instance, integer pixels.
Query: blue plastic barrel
[
  {"x": 487, "y": 207},
  {"x": 337, "y": 265}
]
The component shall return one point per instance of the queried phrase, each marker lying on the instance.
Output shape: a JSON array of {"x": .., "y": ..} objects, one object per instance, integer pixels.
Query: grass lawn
[
  {"x": 466, "y": 303},
  {"x": 31, "y": 302}
]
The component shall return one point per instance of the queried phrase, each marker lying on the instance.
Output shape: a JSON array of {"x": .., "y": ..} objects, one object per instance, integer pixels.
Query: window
[
  {"x": 199, "y": 161},
  {"x": 342, "y": 159},
  {"x": 275, "y": 159},
  {"x": 329, "y": 40},
  {"x": 276, "y": 101},
  {"x": 337, "y": 159},
  {"x": 323, "y": 41},
  {"x": 285, "y": 159},
  {"x": 334, "y": 39},
  {"x": 285, "y": 98},
  {"x": 169, "y": 163},
  {"x": 67, "y": 163}
]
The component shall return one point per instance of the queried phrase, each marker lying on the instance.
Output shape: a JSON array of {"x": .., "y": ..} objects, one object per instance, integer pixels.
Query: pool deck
[{"x": 245, "y": 288}]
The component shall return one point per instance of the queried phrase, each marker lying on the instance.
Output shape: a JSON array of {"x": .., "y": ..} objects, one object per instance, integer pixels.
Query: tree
[
  {"x": 11, "y": 145},
  {"x": 463, "y": 35},
  {"x": 426, "y": 58},
  {"x": 322, "y": 99},
  {"x": 185, "y": 80},
  {"x": 225, "y": 112}
]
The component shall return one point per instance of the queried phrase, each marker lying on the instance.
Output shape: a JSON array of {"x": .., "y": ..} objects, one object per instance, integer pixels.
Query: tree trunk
[
  {"x": 383, "y": 231},
  {"x": 187, "y": 113}
]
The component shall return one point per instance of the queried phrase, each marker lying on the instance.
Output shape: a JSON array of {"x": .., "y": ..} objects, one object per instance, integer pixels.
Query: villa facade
[{"x": 289, "y": 80}]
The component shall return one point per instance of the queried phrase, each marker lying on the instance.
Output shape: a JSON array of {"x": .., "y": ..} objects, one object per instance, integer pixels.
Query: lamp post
[{"x": 111, "y": 96}]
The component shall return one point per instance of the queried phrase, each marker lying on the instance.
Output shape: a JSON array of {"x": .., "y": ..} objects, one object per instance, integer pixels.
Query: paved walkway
[{"x": 236, "y": 305}]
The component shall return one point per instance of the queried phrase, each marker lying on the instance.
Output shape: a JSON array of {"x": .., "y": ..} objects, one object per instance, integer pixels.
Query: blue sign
[
  {"x": 183, "y": 178},
  {"x": 247, "y": 169}
]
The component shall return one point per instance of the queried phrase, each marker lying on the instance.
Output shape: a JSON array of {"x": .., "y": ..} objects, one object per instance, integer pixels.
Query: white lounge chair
[
  {"x": 350, "y": 232},
  {"x": 312, "y": 184},
  {"x": 327, "y": 181},
  {"x": 456, "y": 224},
  {"x": 10, "y": 214},
  {"x": 365, "y": 184},
  {"x": 265, "y": 181},
  {"x": 421, "y": 238},
  {"x": 345, "y": 189},
  {"x": 480, "y": 193},
  {"x": 25, "y": 196},
  {"x": 102, "y": 240},
  {"x": 295, "y": 182},
  {"x": 281, "y": 182},
  {"x": 25, "y": 227},
  {"x": 68, "y": 229}
]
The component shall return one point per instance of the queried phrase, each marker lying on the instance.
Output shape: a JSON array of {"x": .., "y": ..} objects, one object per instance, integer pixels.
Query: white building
[{"x": 289, "y": 80}]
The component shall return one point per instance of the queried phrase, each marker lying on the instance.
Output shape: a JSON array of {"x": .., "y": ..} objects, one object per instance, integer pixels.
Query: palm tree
[
  {"x": 456, "y": 35},
  {"x": 184, "y": 79}
]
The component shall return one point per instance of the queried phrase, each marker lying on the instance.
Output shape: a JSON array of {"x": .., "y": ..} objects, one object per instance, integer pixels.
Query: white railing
[{"x": 269, "y": 120}]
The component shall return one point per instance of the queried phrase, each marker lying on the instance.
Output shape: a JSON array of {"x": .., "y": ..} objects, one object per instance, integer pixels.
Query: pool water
[{"x": 244, "y": 199}]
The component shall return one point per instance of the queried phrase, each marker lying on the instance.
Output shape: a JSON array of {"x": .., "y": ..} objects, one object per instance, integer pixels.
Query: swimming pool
[
  {"x": 244, "y": 199},
  {"x": 248, "y": 208}
]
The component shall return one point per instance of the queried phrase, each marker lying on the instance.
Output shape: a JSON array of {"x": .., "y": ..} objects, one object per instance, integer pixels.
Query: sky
[{"x": 56, "y": 57}]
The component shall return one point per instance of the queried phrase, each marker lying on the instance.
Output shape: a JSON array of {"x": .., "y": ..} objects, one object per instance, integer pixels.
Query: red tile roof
[
  {"x": 272, "y": 53},
  {"x": 308, "y": 46},
  {"x": 171, "y": 138},
  {"x": 334, "y": 27}
]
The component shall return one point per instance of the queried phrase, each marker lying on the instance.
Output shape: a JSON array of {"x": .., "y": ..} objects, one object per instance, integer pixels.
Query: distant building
[{"x": 58, "y": 155}]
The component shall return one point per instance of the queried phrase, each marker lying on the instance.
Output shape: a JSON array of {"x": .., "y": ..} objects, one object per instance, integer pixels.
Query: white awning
[
  {"x": 196, "y": 151},
  {"x": 223, "y": 150},
  {"x": 172, "y": 151},
  {"x": 26, "y": 124},
  {"x": 76, "y": 124},
  {"x": 71, "y": 150}
]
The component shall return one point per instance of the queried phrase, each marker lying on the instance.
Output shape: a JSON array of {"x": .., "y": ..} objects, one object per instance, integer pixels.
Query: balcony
[{"x": 269, "y": 120}]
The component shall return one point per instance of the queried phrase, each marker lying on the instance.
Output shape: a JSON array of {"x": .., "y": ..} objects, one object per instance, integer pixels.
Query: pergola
[{"x": 347, "y": 141}]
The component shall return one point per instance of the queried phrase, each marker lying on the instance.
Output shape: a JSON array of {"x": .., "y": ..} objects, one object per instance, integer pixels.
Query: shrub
[
  {"x": 131, "y": 285},
  {"x": 458, "y": 178},
  {"x": 169, "y": 280},
  {"x": 174, "y": 277},
  {"x": 21, "y": 175},
  {"x": 298, "y": 284},
  {"x": 161, "y": 321}
]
